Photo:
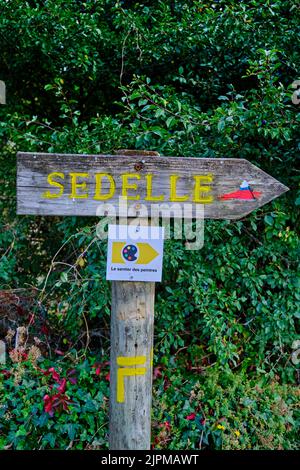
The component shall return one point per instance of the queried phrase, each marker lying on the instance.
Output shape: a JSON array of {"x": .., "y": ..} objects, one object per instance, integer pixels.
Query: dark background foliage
[{"x": 201, "y": 79}]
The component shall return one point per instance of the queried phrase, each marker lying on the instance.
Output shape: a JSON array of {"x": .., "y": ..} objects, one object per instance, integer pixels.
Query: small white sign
[{"x": 134, "y": 253}]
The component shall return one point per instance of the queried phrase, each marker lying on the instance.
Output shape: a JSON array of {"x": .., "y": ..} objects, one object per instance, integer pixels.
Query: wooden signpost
[
  {"x": 151, "y": 185},
  {"x": 58, "y": 184}
]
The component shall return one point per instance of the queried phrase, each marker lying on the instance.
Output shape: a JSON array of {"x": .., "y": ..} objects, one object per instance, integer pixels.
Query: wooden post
[
  {"x": 2, "y": 93},
  {"x": 131, "y": 357},
  {"x": 132, "y": 320}
]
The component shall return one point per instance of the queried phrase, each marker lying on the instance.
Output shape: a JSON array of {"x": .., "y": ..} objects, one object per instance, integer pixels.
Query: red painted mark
[
  {"x": 241, "y": 194},
  {"x": 244, "y": 193}
]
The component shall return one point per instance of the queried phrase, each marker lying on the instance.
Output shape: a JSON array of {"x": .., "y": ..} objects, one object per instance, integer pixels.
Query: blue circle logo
[{"x": 129, "y": 252}]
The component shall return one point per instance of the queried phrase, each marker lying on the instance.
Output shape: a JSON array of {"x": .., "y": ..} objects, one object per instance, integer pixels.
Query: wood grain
[
  {"x": 132, "y": 319},
  {"x": 228, "y": 174}
]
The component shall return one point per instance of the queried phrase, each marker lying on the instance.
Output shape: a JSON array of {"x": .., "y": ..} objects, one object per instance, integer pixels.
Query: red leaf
[
  {"x": 63, "y": 385},
  {"x": 166, "y": 425},
  {"x": 59, "y": 353},
  {"x": 167, "y": 383},
  {"x": 55, "y": 375},
  {"x": 45, "y": 330},
  {"x": 157, "y": 372},
  {"x": 98, "y": 367},
  {"x": 6, "y": 373},
  {"x": 48, "y": 404},
  {"x": 20, "y": 310},
  {"x": 57, "y": 401},
  {"x": 191, "y": 417}
]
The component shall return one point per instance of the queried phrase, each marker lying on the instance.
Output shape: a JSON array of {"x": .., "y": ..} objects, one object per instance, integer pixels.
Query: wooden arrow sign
[{"x": 68, "y": 184}]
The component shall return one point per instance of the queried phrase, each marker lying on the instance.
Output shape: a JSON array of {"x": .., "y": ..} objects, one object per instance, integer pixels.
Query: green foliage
[
  {"x": 201, "y": 79},
  {"x": 225, "y": 411},
  {"x": 24, "y": 422}
]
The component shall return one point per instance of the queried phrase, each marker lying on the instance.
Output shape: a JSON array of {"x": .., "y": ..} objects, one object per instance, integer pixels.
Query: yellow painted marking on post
[
  {"x": 131, "y": 361},
  {"x": 120, "y": 380},
  {"x": 128, "y": 372}
]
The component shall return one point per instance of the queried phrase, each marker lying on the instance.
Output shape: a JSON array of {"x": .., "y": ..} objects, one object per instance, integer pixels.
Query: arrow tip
[{"x": 146, "y": 253}]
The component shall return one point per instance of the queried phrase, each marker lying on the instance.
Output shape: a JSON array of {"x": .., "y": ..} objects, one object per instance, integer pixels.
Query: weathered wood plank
[{"x": 162, "y": 178}]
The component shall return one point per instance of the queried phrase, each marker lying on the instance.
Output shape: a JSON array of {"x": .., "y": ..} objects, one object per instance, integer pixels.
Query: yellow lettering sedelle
[
  {"x": 75, "y": 185},
  {"x": 149, "y": 196},
  {"x": 173, "y": 195},
  {"x": 100, "y": 182},
  {"x": 126, "y": 185},
  {"x": 98, "y": 195},
  {"x": 56, "y": 184},
  {"x": 201, "y": 188}
]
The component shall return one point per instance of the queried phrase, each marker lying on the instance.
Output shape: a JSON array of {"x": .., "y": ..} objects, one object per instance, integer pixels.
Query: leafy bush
[{"x": 53, "y": 407}]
